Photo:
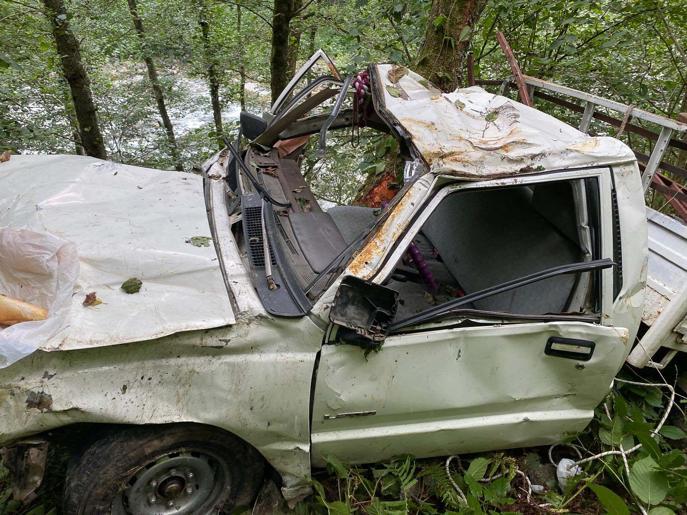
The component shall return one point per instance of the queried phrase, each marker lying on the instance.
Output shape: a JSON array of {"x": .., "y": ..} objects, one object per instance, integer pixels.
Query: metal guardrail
[{"x": 668, "y": 126}]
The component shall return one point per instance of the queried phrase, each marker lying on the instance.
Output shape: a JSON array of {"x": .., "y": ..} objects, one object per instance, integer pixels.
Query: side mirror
[
  {"x": 251, "y": 125},
  {"x": 364, "y": 310}
]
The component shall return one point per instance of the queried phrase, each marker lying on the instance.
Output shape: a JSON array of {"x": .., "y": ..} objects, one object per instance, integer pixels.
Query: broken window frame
[
  {"x": 603, "y": 275},
  {"x": 300, "y": 74}
]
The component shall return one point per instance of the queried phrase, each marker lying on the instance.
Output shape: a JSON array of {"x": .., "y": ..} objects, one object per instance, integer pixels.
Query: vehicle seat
[{"x": 487, "y": 237}]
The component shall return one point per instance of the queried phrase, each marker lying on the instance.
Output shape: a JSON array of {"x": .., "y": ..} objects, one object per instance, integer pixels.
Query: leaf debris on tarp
[
  {"x": 199, "y": 241},
  {"x": 91, "y": 300},
  {"x": 396, "y": 72},
  {"x": 132, "y": 285},
  {"x": 397, "y": 92}
]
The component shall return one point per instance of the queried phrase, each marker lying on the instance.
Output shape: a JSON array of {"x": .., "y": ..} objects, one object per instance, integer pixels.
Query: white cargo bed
[{"x": 666, "y": 293}]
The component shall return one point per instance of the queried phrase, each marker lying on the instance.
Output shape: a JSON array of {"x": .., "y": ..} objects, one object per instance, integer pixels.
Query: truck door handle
[{"x": 570, "y": 348}]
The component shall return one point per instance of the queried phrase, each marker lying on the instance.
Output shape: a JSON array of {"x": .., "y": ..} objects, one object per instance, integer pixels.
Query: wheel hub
[
  {"x": 171, "y": 487},
  {"x": 179, "y": 483}
]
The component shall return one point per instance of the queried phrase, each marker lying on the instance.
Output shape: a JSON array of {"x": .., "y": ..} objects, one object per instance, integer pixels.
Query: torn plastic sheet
[
  {"x": 125, "y": 222},
  {"x": 41, "y": 269}
]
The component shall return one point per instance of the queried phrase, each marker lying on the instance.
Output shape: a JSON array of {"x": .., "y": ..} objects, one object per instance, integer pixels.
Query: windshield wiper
[
  {"x": 256, "y": 184},
  {"x": 430, "y": 313},
  {"x": 322, "y": 145}
]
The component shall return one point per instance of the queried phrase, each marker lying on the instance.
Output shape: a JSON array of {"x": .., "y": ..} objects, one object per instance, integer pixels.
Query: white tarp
[
  {"x": 475, "y": 134},
  {"x": 124, "y": 222},
  {"x": 41, "y": 269}
]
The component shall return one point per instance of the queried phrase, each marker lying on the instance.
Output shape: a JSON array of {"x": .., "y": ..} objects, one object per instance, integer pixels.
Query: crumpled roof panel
[{"x": 474, "y": 134}]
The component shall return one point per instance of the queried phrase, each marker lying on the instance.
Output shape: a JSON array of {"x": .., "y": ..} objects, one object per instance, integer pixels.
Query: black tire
[{"x": 116, "y": 472}]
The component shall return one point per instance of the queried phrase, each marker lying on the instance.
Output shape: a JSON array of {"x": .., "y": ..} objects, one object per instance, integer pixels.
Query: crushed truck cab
[{"x": 489, "y": 305}]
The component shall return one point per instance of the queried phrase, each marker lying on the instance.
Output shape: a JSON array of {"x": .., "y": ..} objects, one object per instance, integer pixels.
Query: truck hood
[{"x": 124, "y": 222}]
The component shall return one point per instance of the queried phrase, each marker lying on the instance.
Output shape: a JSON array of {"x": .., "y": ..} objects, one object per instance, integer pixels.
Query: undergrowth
[{"x": 651, "y": 480}]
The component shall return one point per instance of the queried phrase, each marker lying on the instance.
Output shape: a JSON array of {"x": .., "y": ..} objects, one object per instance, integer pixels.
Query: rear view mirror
[
  {"x": 365, "y": 310},
  {"x": 252, "y": 125}
]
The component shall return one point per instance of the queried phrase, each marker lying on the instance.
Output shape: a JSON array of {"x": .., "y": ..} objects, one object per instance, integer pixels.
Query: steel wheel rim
[{"x": 180, "y": 482}]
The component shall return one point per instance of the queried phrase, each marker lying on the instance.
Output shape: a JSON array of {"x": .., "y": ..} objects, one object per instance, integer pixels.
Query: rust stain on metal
[
  {"x": 376, "y": 247},
  {"x": 588, "y": 145},
  {"x": 39, "y": 400}
]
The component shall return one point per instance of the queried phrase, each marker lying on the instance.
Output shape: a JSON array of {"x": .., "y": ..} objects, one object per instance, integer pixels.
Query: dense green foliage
[{"x": 630, "y": 50}]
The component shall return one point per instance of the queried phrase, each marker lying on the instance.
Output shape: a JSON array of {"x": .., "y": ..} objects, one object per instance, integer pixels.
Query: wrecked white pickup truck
[{"x": 489, "y": 305}]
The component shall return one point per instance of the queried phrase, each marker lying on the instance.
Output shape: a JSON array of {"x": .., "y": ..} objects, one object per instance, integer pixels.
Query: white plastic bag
[{"x": 41, "y": 269}]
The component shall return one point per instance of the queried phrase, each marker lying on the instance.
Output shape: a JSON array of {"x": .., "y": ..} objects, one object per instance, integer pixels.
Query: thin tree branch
[
  {"x": 32, "y": 7},
  {"x": 400, "y": 37},
  {"x": 612, "y": 26},
  {"x": 299, "y": 11},
  {"x": 268, "y": 22},
  {"x": 678, "y": 65},
  {"x": 486, "y": 38}
]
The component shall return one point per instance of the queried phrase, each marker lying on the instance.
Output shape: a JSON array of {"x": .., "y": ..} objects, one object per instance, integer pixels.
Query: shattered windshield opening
[{"x": 298, "y": 181}]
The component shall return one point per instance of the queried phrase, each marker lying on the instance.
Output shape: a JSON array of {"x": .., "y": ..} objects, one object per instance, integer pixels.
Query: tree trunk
[
  {"x": 294, "y": 43},
  {"x": 242, "y": 66},
  {"x": 279, "y": 60},
  {"x": 211, "y": 71},
  {"x": 311, "y": 40},
  {"x": 682, "y": 117},
  {"x": 75, "y": 74},
  {"x": 73, "y": 122},
  {"x": 447, "y": 40},
  {"x": 155, "y": 84}
]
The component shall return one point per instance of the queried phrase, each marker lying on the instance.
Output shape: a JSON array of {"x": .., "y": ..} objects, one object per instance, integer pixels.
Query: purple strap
[{"x": 422, "y": 268}]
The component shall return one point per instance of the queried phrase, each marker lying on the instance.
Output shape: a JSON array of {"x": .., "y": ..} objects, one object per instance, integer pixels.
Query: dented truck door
[{"x": 505, "y": 345}]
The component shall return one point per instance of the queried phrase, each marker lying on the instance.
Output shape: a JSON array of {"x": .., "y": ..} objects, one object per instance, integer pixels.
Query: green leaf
[
  {"x": 439, "y": 21},
  {"x": 628, "y": 442},
  {"x": 379, "y": 507},
  {"x": 654, "y": 398},
  {"x": 647, "y": 481},
  {"x": 673, "y": 433},
  {"x": 338, "y": 508},
  {"x": 649, "y": 445},
  {"x": 394, "y": 91},
  {"x": 491, "y": 116},
  {"x": 465, "y": 33},
  {"x": 337, "y": 467},
  {"x": 661, "y": 510},
  {"x": 620, "y": 406},
  {"x": 478, "y": 467},
  {"x": 673, "y": 459},
  {"x": 612, "y": 502}
]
